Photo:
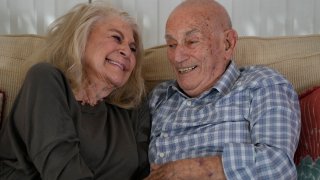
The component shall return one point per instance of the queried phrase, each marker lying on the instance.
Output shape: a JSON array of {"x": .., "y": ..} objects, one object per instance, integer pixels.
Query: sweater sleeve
[
  {"x": 142, "y": 131},
  {"x": 43, "y": 125}
]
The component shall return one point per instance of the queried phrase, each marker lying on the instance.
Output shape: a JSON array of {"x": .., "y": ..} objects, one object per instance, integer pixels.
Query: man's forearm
[{"x": 195, "y": 168}]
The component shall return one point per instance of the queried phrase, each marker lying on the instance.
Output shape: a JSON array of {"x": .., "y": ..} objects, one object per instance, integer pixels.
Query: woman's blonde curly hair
[{"x": 66, "y": 42}]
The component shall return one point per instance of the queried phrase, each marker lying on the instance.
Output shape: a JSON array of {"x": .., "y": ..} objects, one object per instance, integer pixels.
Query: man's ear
[{"x": 231, "y": 38}]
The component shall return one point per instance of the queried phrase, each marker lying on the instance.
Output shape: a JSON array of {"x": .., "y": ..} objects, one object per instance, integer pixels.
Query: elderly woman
[{"x": 80, "y": 115}]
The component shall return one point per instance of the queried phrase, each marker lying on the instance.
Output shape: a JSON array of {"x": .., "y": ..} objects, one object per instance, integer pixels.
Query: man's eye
[
  {"x": 192, "y": 42},
  {"x": 172, "y": 45}
]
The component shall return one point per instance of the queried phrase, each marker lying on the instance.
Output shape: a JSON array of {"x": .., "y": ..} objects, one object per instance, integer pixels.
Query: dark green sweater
[{"x": 49, "y": 135}]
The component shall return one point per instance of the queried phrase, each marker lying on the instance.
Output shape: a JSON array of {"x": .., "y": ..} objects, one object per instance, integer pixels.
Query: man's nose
[{"x": 181, "y": 53}]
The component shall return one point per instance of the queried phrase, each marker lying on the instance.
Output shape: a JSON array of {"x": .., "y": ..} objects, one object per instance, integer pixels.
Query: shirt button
[
  {"x": 189, "y": 103},
  {"x": 165, "y": 135},
  {"x": 161, "y": 155}
]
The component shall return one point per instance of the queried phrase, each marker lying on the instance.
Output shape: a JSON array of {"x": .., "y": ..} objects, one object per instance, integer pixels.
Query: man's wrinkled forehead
[{"x": 188, "y": 25}]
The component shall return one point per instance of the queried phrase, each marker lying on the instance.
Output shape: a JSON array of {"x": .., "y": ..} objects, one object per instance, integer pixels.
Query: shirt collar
[
  {"x": 223, "y": 85},
  {"x": 228, "y": 79}
]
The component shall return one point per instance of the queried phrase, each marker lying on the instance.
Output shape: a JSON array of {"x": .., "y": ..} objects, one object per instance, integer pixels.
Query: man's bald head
[{"x": 210, "y": 10}]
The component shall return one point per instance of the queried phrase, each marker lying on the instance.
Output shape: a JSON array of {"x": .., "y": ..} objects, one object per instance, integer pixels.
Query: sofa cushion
[
  {"x": 14, "y": 50},
  {"x": 310, "y": 125},
  {"x": 296, "y": 57},
  {"x": 307, "y": 156}
]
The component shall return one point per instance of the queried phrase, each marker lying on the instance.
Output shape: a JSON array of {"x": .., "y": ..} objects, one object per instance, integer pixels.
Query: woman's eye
[
  {"x": 117, "y": 38},
  {"x": 133, "y": 49}
]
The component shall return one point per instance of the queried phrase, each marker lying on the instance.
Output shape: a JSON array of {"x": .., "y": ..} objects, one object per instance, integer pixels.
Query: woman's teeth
[
  {"x": 121, "y": 66},
  {"x": 185, "y": 70}
]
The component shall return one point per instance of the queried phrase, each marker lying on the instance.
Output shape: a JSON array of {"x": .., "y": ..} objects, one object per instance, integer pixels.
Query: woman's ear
[{"x": 231, "y": 38}]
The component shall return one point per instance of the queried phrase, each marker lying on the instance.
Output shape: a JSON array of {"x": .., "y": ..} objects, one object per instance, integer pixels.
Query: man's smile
[{"x": 186, "y": 70}]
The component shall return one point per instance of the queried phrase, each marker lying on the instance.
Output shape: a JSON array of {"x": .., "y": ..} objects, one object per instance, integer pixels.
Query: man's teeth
[
  {"x": 116, "y": 63},
  {"x": 185, "y": 70}
]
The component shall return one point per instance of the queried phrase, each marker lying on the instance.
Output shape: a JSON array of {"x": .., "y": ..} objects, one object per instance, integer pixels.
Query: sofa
[{"x": 296, "y": 57}]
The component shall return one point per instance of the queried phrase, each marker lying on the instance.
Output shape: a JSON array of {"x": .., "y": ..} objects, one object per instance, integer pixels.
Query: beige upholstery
[
  {"x": 13, "y": 52},
  {"x": 297, "y": 57}
]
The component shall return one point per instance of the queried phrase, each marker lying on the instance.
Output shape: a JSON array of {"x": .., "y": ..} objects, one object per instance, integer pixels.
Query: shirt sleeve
[
  {"x": 275, "y": 127},
  {"x": 43, "y": 125}
]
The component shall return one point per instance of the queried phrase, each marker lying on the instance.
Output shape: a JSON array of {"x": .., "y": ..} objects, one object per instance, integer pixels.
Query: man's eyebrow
[{"x": 188, "y": 33}]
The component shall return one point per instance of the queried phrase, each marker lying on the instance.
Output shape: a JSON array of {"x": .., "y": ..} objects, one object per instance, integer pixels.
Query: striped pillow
[{"x": 2, "y": 98}]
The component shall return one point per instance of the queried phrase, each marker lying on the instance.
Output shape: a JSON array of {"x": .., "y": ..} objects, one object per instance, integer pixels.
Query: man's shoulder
[{"x": 261, "y": 75}]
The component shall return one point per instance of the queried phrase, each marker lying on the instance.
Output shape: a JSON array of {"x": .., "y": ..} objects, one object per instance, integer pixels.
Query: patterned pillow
[
  {"x": 308, "y": 169},
  {"x": 308, "y": 151},
  {"x": 2, "y": 98}
]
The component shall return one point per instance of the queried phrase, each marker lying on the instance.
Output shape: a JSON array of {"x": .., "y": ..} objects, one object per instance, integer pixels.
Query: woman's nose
[{"x": 125, "y": 50}]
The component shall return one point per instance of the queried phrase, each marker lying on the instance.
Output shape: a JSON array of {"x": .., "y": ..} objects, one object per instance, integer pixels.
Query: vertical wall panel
[
  {"x": 272, "y": 18},
  {"x": 4, "y": 17},
  {"x": 289, "y": 17},
  {"x": 246, "y": 17},
  {"x": 62, "y": 6},
  {"x": 31, "y": 16},
  {"x": 316, "y": 17},
  {"x": 148, "y": 13},
  {"x": 22, "y": 16},
  {"x": 302, "y": 13},
  {"x": 249, "y": 17},
  {"x": 45, "y": 14},
  {"x": 165, "y": 8}
]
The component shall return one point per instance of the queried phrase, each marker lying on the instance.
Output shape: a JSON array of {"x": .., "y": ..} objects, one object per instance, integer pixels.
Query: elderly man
[{"x": 218, "y": 121}]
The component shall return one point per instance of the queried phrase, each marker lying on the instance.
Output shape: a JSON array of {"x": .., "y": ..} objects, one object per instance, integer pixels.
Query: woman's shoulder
[
  {"x": 45, "y": 74},
  {"x": 43, "y": 70}
]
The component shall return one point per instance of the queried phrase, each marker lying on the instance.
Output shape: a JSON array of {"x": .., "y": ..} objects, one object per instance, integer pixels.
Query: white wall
[
  {"x": 250, "y": 17},
  {"x": 31, "y": 16}
]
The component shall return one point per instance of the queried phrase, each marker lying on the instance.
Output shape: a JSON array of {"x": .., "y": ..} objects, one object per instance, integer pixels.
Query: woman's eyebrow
[
  {"x": 117, "y": 31},
  {"x": 122, "y": 36}
]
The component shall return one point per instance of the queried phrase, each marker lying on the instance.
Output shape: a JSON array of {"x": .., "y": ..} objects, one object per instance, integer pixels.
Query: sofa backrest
[
  {"x": 14, "y": 50},
  {"x": 296, "y": 57}
]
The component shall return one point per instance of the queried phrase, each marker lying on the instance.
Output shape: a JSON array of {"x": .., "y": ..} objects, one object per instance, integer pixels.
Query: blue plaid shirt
[{"x": 251, "y": 117}]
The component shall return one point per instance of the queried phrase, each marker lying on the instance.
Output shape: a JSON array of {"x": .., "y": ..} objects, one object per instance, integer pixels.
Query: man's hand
[{"x": 209, "y": 168}]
